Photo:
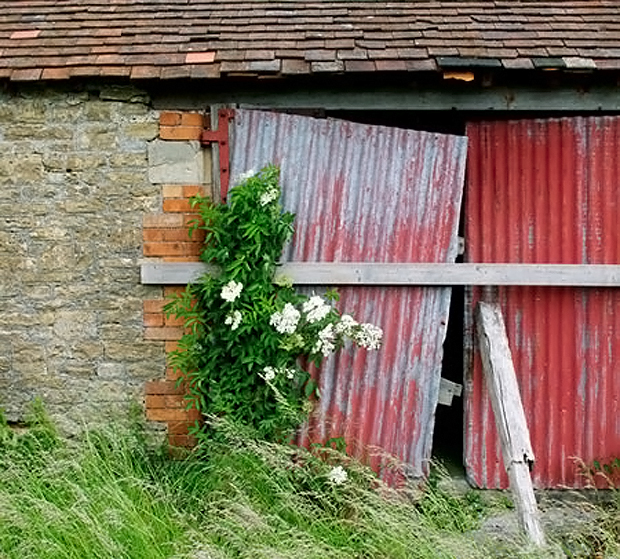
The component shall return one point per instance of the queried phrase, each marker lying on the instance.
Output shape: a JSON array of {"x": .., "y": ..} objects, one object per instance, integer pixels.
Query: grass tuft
[{"x": 110, "y": 495}]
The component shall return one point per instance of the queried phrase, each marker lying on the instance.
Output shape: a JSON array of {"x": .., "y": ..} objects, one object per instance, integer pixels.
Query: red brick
[
  {"x": 159, "y": 414},
  {"x": 180, "y": 234},
  {"x": 192, "y": 119},
  {"x": 173, "y": 374},
  {"x": 155, "y": 401},
  {"x": 175, "y": 401},
  {"x": 169, "y": 118},
  {"x": 163, "y": 387},
  {"x": 177, "y": 206},
  {"x": 154, "y": 305},
  {"x": 179, "y": 427},
  {"x": 184, "y": 441},
  {"x": 171, "y": 345},
  {"x": 190, "y": 218},
  {"x": 173, "y": 290},
  {"x": 163, "y": 334},
  {"x": 181, "y": 258},
  {"x": 163, "y": 220},
  {"x": 172, "y": 248},
  {"x": 154, "y": 320},
  {"x": 173, "y": 321},
  {"x": 172, "y": 191},
  {"x": 180, "y": 132},
  {"x": 193, "y": 190}
]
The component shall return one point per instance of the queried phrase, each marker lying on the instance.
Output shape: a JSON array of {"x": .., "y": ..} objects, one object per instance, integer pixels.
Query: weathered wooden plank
[
  {"x": 509, "y": 415},
  {"x": 517, "y": 98},
  {"x": 328, "y": 273}
]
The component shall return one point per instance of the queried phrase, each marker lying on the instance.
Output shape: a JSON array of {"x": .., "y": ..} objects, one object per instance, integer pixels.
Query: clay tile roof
[{"x": 155, "y": 39}]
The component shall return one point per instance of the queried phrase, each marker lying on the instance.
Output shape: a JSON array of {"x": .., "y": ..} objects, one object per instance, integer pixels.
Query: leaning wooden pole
[{"x": 510, "y": 419}]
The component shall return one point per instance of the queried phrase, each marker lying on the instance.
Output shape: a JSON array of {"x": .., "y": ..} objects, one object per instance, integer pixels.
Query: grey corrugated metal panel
[
  {"x": 395, "y": 176},
  {"x": 546, "y": 191},
  {"x": 374, "y": 194}
]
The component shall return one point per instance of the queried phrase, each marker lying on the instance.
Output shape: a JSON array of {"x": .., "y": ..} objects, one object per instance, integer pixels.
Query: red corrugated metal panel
[
  {"x": 546, "y": 191},
  {"x": 374, "y": 194}
]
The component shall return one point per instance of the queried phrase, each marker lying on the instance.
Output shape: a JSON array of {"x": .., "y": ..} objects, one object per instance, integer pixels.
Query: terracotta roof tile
[{"x": 151, "y": 39}]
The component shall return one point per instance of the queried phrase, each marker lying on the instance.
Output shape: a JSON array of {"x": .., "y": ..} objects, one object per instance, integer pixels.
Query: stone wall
[{"x": 75, "y": 186}]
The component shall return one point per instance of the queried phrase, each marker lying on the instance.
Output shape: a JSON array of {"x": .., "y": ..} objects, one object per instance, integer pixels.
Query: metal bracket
[{"x": 220, "y": 136}]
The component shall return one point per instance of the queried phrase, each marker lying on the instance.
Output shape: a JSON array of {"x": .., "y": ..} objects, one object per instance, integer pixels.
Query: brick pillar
[{"x": 166, "y": 238}]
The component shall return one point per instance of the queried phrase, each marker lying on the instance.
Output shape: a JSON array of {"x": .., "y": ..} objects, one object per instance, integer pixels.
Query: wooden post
[{"x": 509, "y": 415}]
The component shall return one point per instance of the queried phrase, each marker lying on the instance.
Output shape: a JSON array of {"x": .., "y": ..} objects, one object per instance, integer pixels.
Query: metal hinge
[{"x": 220, "y": 137}]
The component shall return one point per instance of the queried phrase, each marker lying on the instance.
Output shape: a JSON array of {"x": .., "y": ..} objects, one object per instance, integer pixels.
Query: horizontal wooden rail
[{"x": 355, "y": 273}]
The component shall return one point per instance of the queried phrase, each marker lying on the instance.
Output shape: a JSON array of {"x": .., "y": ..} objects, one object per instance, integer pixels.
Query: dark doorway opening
[{"x": 448, "y": 432}]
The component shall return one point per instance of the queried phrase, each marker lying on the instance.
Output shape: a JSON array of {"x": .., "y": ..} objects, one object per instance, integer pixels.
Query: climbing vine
[{"x": 249, "y": 336}]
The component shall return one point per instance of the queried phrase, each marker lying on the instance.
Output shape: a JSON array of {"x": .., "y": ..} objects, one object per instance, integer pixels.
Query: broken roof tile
[
  {"x": 26, "y": 34},
  {"x": 200, "y": 57}
]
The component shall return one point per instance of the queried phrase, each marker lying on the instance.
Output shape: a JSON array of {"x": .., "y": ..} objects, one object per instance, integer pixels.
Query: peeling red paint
[{"x": 546, "y": 191}]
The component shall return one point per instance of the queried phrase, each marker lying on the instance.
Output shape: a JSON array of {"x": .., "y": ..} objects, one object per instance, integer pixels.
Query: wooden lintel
[
  {"x": 355, "y": 273},
  {"x": 515, "y": 98}
]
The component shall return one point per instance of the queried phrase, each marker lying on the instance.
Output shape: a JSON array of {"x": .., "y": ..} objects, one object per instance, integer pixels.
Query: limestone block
[
  {"x": 111, "y": 370},
  {"x": 176, "y": 162},
  {"x": 142, "y": 130},
  {"x": 127, "y": 93},
  {"x": 74, "y": 325},
  {"x": 131, "y": 159}
]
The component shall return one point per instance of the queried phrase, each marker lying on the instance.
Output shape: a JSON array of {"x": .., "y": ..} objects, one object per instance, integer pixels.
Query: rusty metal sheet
[
  {"x": 373, "y": 194},
  {"x": 546, "y": 191}
]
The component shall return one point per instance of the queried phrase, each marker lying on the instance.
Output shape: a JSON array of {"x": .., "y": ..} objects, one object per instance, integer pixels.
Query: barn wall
[{"x": 75, "y": 186}]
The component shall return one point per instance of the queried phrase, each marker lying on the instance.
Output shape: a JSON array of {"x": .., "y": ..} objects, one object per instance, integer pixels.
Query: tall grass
[
  {"x": 97, "y": 499},
  {"x": 109, "y": 495}
]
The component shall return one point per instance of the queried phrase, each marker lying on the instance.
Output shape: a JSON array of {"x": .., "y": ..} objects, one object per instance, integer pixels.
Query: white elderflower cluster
[
  {"x": 245, "y": 176},
  {"x": 272, "y": 372},
  {"x": 231, "y": 291},
  {"x": 325, "y": 342},
  {"x": 368, "y": 336},
  {"x": 338, "y": 475},
  {"x": 285, "y": 322},
  {"x": 268, "y": 196},
  {"x": 233, "y": 320},
  {"x": 315, "y": 308},
  {"x": 346, "y": 326}
]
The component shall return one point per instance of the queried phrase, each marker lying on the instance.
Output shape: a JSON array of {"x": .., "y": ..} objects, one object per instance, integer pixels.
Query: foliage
[
  {"x": 248, "y": 335},
  {"x": 113, "y": 495}
]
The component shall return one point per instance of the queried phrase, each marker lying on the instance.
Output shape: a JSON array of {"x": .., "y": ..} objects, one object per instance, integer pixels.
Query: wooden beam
[
  {"x": 509, "y": 415},
  {"x": 356, "y": 273},
  {"x": 420, "y": 98}
]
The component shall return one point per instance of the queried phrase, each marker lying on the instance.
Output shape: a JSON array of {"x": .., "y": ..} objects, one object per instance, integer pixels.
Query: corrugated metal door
[
  {"x": 546, "y": 191},
  {"x": 373, "y": 194}
]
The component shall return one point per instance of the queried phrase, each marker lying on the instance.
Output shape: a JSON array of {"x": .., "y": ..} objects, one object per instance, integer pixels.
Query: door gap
[{"x": 448, "y": 430}]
